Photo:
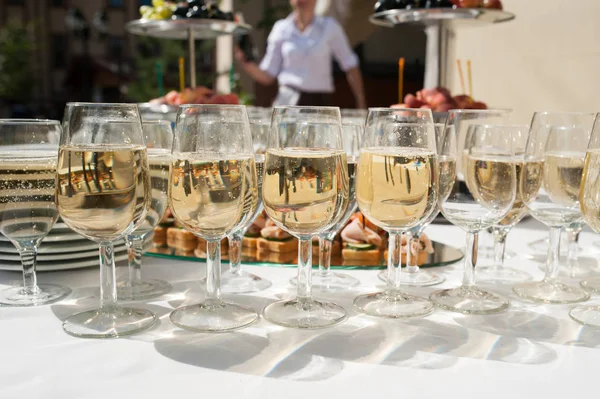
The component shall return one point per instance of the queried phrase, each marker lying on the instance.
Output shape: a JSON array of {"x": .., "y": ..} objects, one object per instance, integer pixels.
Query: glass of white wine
[
  {"x": 589, "y": 196},
  {"x": 103, "y": 193},
  {"x": 158, "y": 135},
  {"x": 212, "y": 190},
  {"x": 497, "y": 272},
  {"x": 305, "y": 192},
  {"x": 324, "y": 279},
  {"x": 235, "y": 280},
  {"x": 396, "y": 189},
  {"x": 413, "y": 275},
  {"x": 489, "y": 172},
  {"x": 28, "y": 150},
  {"x": 557, "y": 145}
]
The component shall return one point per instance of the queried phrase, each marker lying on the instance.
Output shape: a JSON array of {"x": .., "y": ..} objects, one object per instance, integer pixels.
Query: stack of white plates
[{"x": 62, "y": 249}]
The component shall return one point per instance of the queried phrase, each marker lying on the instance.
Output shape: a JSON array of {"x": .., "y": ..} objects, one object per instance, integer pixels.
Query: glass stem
[
  {"x": 573, "y": 250},
  {"x": 213, "y": 271},
  {"x": 235, "y": 252},
  {"x": 135, "y": 249},
  {"x": 304, "y": 269},
  {"x": 325, "y": 256},
  {"x": 28, "y": 261},
  {"x": 499, "y": 246},
  {"x": 553, "y": 261},
  {"x": 394, "y": 262},
  {"x": 414, "y": 241},
  {"x": 470, "y": 259},
  {"x": 108, "y": 278}
]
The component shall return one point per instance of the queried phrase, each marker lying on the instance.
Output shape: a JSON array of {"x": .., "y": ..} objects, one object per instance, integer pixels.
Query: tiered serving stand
[{"x": 443, "y": 22}]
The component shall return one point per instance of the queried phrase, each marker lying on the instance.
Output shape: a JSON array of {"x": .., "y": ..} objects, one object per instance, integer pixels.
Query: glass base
[
  {"x": 213, "y": 316},
  {"x": 591, "y": 284},
  {"x": 493, "y": 274},
  {"x": 587, "y": 315},
  {"x": 44, "y": 295},
  {"x": 109, "y": 322},
  {"x": 469, "y": 300},
  {"x": 331, "y": 282},
  {"x": 393, "y": 305},
  {"x": 304, "y": 313},
  {"x": 420, "y": 278},
  {"x": 242, "y": 282},
  {"x": 142, "y": 290},
  {"x": 550, "y": 292}
]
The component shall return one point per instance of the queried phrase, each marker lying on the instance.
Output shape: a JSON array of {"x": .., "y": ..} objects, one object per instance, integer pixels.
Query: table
[{"x": 530, "y": 351}]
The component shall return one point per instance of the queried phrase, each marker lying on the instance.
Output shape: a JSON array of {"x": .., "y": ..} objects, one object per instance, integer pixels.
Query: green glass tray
[{"x": 443, "y": 255}]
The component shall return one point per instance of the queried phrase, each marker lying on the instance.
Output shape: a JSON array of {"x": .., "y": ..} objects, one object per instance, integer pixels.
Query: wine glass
[
  {"x": 158, "y": 135},
  {"x": 235, "y": 280},
  {"x": 489, "y": 173},
  {"x": 28, "y": 150},
  {"x": 589, "y": 195},
  {"x": 396, "y": 189},
  {"x": 554, "y": 160},
  {"x": 413, "y": 275},
  {"x": 103, "y": 193},
  {"x": 212, "y": 189},
  {"x": 324, "y": 279},
  {"x": 305, "y": 192},
  {"x": 497, "y": 272}
]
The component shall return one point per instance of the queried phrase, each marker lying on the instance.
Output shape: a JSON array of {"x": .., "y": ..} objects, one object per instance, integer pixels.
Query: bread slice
[
  {"x": 276, "y": 257},
  {"x": 160, "y": 236},
  {"x": 224, "y": 246},
  {"x": 371, "y": 255},
  {"x": 181, "y": 239},
  {"x": 335, "y": 248},
  {"x": 250, "y": 242},
  {"x": 289, "y": 245}
]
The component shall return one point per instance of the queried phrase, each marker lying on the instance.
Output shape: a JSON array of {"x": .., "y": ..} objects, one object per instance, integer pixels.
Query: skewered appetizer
[{"x": 439, "y": 100}]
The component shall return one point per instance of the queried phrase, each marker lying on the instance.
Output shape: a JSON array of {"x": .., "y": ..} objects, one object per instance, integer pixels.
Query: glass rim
[
  {"x": 478, "y": 111},
  {"x": 324, "y": 107},
  {"x": 24, "y": 121},
  {"x": 574, "y": 113},
  {"x": 389, "y": 109},
  {"x": 157, "y": 122},
  {"x": 216, "y": 106},
  {"x": 91, "y": 104}
]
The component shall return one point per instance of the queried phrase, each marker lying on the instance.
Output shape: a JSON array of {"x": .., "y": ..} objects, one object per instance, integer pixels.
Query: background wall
[{"x": 548, "y": 58}]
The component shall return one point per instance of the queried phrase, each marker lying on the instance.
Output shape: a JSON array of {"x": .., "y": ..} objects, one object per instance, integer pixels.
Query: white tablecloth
[{"x": 531, "y": 351}]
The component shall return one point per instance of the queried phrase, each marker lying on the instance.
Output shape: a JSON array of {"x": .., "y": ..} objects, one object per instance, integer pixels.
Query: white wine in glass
[
  {"x": 557, "y": 143},
  {"x": 28, "y": 150},
  {"x": 305, "y": 192},
  {"x": 212, "y": 189},
  {"x": 103, "y": 193}
]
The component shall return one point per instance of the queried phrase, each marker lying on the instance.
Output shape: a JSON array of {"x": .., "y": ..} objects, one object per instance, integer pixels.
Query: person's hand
[{"x": 239, "y": 56}]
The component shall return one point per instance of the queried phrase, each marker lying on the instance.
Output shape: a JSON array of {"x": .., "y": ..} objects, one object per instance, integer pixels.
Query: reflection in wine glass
[
  {"x": 324, "y": 279},
  {"x": 589, "y": 196},
  {"x": 235, "y": 280},
  {"x": 159, "y": 139},
  {"x": 497, "y": 272},
  {"x": 103, "y": 193},
  {"x": 27, "y": 201},
  {"x": 396, "y": 189},
  {"x": 305, "y": 192},
  {"x": 490, "y": 178},
  {"x": 212, "y": 190},
  {"x": 557, "y": 144},
  {"x": 413, "y": 275}
]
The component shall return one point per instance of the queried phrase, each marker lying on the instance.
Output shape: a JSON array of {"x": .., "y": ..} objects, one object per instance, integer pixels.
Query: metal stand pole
[
  {"x": 192, "y": 47},
  {"x": 439, "y": 52}
]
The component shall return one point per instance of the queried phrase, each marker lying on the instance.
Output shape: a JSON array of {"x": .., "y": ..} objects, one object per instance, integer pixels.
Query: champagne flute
[
  {"x": 488, "y": 166},
  {"x": 305, "y": 192},
  {"x": 212, "y": 189},
  {"x": 158, "y": 135},
  {"x": 497, "y": 272},
  {"x": 589, "y": 197},
  {"x": 28, "y": 150},
  {"x": 413, "y": 275},
  {"x": 557, "y": 144},
  {"x": 103, "y": 193},
  {"x": 324, "y": 279},
  {"x": 235, "y": 280},
  {"x": 396, "y": 188}
]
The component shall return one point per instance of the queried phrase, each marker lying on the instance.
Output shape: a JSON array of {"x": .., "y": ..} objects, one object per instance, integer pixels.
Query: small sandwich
[
  {"x": 265, "y": 255},
  {"x": 335, "y": 246},
  {"x": 181, "y": 240},
  {"x": 361, "y": 241},
  {"x": 252, "y": 235},
  {"x": 274, "y": 239},
  {"x": 160, "y": 232}
]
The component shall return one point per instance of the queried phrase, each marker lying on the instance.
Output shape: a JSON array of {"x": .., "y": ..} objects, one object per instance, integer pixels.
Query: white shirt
[{"x": 302, "y": 60}]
